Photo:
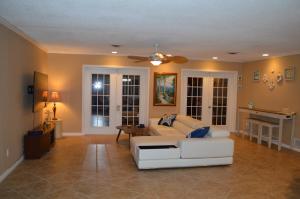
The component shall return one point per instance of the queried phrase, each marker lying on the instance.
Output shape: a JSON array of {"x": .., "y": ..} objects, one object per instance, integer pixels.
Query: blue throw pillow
[{"x": 198, "y": 133}]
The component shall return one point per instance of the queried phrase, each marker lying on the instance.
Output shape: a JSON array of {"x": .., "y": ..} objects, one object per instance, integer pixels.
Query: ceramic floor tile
[{"x": 91, "y": 167}]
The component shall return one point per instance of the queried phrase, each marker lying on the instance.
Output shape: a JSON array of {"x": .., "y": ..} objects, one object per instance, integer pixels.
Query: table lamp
[
  {"x": 45, "y": 97},
  {"x": 54, "y": 98}
]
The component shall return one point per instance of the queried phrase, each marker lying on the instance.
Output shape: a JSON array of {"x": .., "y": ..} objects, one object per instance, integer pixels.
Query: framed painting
[
  {"x": 165, "y": 85},
  {"x": 289, "y": 73},
  {"x": 256, "y": 75}
]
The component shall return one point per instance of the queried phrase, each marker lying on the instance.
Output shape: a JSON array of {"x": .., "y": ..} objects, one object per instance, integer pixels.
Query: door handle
[
  {"x": 118, "y": 107},
  {"x": 209, "y": 107}
]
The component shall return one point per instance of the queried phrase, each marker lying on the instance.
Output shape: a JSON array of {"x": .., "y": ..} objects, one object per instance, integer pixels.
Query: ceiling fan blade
[
  {"x": 165, "y": 61},
  {"x": 178, "y": 59},
  {"x": 139, "y": 58}
]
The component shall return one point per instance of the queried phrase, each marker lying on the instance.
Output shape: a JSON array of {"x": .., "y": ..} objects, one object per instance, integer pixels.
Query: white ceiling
[{"x": 196, "y": 29}]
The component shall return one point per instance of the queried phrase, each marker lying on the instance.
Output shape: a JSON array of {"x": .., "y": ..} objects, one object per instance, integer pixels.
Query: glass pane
[
  {"x": 94, "y": 100},
  {"x": 100, "y": 100},
  {"x": 189, "y": 91},
  {"x": 190, "y": 81},
  {"x": 106, "y": 100},
  {"x": 195, "y": 93},
  {"x": 94, "y": 110},
  {"x": 195, "y": 81},
  {"x": 106, "y": 110},
  {"x": 136, "y": 90},
  {"x": 130, "y": 100},
  {"x": 100, "y": 110},
  {"x": 137, "y": 80},
  {"x": 200, "y": 82},
  {"x": 188, "y": 111},
  {"x": 124, "y": 100},
  {"x": 225, "y": 82},
  {"x": 106, "y": 89},
  {"x": 106, "y": 79},
  {"x": 189, "y": 101}
]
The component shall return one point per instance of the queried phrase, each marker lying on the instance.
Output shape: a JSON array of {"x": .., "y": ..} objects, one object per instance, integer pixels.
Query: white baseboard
[
  {"x": 73, "y": 134},
  {"x": 10, "y": 169}
]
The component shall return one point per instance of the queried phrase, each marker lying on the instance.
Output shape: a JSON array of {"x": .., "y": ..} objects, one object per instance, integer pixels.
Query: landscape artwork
[{"x": 165, "y": 89}]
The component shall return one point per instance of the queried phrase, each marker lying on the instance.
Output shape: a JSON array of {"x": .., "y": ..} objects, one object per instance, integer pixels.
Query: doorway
[
  {"x": 114, "y": 96},
  {"x": 210, "y": 97}
]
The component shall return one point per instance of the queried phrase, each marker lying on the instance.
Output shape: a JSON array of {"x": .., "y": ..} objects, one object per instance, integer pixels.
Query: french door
[
  {"x": 112, "y": 97},
  {"x": 210, "y": 97}
]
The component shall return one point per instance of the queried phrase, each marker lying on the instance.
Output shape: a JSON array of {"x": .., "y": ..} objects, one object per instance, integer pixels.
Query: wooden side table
[{"x": 131, "y": 131}]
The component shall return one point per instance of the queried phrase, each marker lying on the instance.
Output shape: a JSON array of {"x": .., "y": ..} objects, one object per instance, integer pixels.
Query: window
[
  {"x": 194, "y": 97},
  {"x": 130, "y": 99},
  {"x": 100, "y": 100},
  {"x": 220, "y": 91}
]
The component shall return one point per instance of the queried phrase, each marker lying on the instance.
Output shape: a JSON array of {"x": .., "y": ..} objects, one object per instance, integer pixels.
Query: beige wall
[
  {"x": 18, "y": 59},
  {"x": 65, "y": 72},
  {"x": 284, "y": 95}
]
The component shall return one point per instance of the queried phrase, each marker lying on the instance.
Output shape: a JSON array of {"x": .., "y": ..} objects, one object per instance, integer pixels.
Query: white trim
[
  {"x": 69, "y": 134},
  {"x": 232, "y": 92},
  {"x": 11, "y": 169}
]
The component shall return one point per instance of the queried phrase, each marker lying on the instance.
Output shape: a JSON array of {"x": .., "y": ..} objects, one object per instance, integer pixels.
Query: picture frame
[
  {"x": 165, "y": 87},
  {"x": 256, "y": 75},
  {"x": 289, "y": 73}
]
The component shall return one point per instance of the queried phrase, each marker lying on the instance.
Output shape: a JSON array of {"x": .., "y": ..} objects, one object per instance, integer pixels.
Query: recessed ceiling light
[
  {"x": 265, "y": 55},
  {"x": 215, "y": 58},
  {"x": 114, "y": 52}
]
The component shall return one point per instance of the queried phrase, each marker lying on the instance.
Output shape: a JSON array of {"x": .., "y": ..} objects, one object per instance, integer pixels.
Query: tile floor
[{"x": 93, "y": 167}]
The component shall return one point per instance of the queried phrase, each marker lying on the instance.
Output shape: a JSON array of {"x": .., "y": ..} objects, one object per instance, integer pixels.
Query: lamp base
[{"x": 54, "y": 118}]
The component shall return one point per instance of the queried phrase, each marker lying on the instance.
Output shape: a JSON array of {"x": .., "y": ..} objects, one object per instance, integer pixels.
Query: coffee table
[{"x": 132, "y": 131}]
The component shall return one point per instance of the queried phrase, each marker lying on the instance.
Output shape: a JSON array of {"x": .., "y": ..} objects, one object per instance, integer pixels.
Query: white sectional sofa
[{"x": 169, "y": 147}]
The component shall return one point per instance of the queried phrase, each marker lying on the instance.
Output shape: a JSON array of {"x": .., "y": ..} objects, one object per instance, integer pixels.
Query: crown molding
[{"x": 15, "y": 29}]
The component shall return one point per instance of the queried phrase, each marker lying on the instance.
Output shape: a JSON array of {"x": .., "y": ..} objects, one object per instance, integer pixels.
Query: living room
[{"x": 250, "y": 49}]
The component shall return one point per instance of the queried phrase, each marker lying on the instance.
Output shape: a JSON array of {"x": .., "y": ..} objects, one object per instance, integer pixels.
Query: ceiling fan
[{"x": 158, "y": 58}]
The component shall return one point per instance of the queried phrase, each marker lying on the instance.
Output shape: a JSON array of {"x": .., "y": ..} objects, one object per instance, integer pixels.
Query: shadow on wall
[{"x": 294, "y": 188}]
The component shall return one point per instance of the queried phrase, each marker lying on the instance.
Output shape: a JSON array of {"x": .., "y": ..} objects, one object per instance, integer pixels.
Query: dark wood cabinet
[{"x": 38, "y": 141}]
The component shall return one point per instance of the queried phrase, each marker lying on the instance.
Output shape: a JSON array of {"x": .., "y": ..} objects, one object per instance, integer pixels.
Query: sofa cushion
[
  {"x": 189, "y": 121},
  {"x": 206, "y": 148},
  {"x": 198, "y": 133},
  {"x": 184, "y": 129}
]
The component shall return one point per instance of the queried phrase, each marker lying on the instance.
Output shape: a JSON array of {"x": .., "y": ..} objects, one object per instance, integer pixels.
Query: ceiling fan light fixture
[{"x": 155, "y": 62}]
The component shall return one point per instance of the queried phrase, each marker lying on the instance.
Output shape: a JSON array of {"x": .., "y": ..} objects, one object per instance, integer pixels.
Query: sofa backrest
[
  {"x": 184, "y": 129},
  {"x": 189, "y": 121}
]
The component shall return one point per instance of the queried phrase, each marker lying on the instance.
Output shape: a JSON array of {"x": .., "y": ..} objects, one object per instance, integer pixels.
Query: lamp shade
[
  {"x": 55, "y": 97},
  {"x": 45, "y": 96}
]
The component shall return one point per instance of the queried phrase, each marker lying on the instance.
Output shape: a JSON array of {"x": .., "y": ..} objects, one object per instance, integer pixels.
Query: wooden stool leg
[
  {"x": 270, "y": 137},
  {"x": 259, "y": 134},
  {"x": 250, "y": 130}
]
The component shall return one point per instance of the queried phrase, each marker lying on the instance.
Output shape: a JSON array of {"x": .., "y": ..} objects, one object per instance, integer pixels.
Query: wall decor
[
  {"x": 289, "y": 73},
  {"x": 279, "y": 78},
  {"x": 265, "y": 78},
  {"x": 256, "y": 75},
  {"x": 165, "y": 89}
]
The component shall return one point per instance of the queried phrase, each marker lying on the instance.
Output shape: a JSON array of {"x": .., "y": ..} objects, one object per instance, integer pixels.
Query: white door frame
[
  {"x": 145, "y": 71},
  {"x": 232, "y": 91}
]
